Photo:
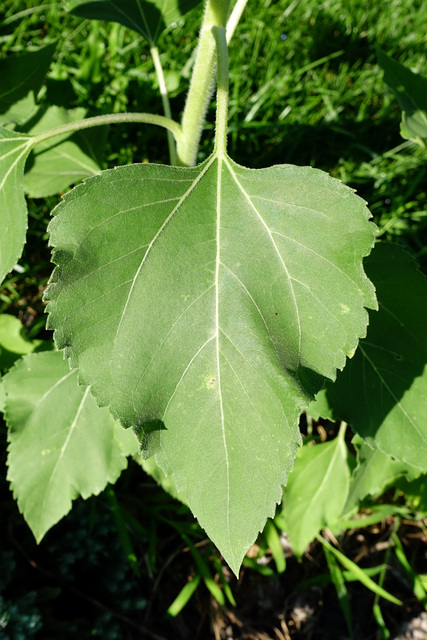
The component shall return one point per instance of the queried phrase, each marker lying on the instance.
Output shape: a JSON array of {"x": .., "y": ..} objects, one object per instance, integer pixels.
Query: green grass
[{"x": 316, "y": 97}]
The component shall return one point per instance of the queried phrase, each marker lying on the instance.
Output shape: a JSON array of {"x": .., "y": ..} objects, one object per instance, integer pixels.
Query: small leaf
[
  {"x": 205, "y": 572},
  {"x": 14, "y": 150},
  {"x": 316, "y": 492},
  {"x": 415, "y": 493},
  {"x": 147, "y": 18},
  {"x": 61, "y": 445},
  {"x": 21, "y": 78},
  {"x": 321, "y": 407},
  {"x": 382, "y": 392},
  {"x": 375, "y": 470},
  {"x": 44, "y": 179},
  {"x": 13, "y": 341},
  {"x": 410, "y": 90},
  {"x": 204, "y": 305}
]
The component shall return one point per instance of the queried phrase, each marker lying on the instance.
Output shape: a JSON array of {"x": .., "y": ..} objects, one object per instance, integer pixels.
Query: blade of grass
[
  {"x": 416, "y": 582},
  {"x": 376, "y": 610},
  {"x": 379, "y": 513},
  {"x": 205, "y": 572},
  {"x": 272, "y": 539},
  {"x": 359, "y": 573},
  {"x": 144, "y": 534},
  {"x": 263, "y": 570},
  {"x": 122, "y": 530},
  {"x": 225, "y": 585},
  {"x": 152, "y": 545},
  {"x": 27, "y": 12},
  {"x": 183, "y": 597},
  {"x": 348, "y": 576},
  {"x": 337, "y": 578}
]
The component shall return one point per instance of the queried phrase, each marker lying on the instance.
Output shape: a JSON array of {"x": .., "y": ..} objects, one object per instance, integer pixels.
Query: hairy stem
[
  {"x": 165, "y": 101},
  {"x": 114, "y": 118},
  {"x": 201, "y": 85},
  {"x": 222, "y": 91}
]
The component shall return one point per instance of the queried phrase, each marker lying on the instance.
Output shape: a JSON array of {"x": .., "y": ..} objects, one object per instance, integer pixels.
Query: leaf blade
[
  {"x": 147, "y": 18},
  {"x": 410, "y": 90},
  {"x": 374, "y": 471},
  {"x": 14, "y": 150},
  {"x": 316, "y": 492},
  {"x": 383, "y": 390},
  {"x": 197, "y": 348},
  {"x": 22, "y": 76},
  {"x": 56, "y": 434}
]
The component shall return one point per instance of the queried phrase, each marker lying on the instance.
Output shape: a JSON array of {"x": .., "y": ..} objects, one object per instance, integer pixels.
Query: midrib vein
[
  {"x": 52, "y": 389},
  {"x": 64, "y": 447},
  {"x": 217, "y": 267},
  {"x": 25, "y": 148}
]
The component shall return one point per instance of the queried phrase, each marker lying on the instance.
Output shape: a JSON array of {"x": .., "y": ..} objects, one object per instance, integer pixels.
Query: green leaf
[
  {"x": 410, "y": 90},
  {"x": 273, "y": 541},
  {"x": 382, "y": 392},
  {"x": 379, "y": 619},
  {"x": 60, "y": 162},
  {"x": 316, "y": 492},
  {"x": 13, "y": 341},
  {"x": 204, "y": 305},
  {"x": 223, "y": 580},
  {"x": 21, "y": 78},
  {"x": 61, "y": 445},
  {"x": 147, "y": 18},
  {"x": 415, "y": 493},
  {"x": 14, "y": 150},
  {"x": 55, "y": 170},
  {"x": 321, "y": 407},
  {"x": 374, "y": 472}
]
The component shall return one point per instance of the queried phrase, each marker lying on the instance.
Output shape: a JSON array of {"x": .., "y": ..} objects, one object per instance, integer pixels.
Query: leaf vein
[
  {"x": 157, "y": 235},
  {"x": 167, "y": 334},
  {"x": 275, "y": 247},
  {"x": 185, "y": 372},
  {"x": 395, "y": 398}
]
